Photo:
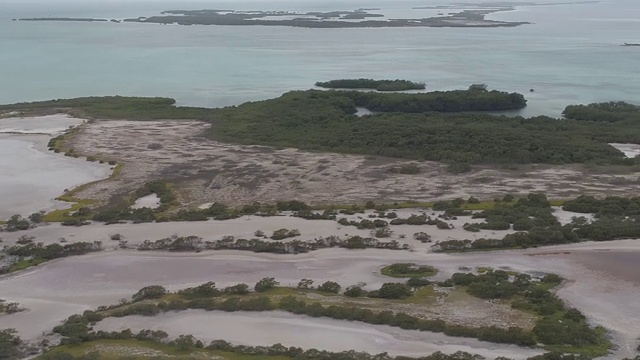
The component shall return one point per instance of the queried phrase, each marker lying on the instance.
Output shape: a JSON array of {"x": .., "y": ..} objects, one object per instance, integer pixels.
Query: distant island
[
  {"x": 379, "y": 85},
  {"x": 360, "y": 18},
  {"x": 64, "y": 19}
]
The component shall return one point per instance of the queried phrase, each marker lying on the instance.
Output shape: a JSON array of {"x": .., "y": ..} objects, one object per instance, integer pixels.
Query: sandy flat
[{"x": 302, "y": 331}]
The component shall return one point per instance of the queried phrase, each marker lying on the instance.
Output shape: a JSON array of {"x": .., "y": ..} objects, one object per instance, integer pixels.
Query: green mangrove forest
[
  {"x": 447, "y": 126},
  {"x": 379, "y": 85}
]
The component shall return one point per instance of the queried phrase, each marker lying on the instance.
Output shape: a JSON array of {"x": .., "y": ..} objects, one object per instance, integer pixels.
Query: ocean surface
[{"x": 570, "y": 54}]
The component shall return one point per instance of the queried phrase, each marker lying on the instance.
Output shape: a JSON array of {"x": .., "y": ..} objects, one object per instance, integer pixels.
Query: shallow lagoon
[
  {"x": 302, "y": 331},
  {"x": 33, "y": 177}
]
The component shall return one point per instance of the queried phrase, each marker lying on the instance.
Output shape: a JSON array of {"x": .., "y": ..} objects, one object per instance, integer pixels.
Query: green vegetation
[
  {"x": 9, "y": 307},
  {"x": 116, "y": 345},
  {"x": 17, "y": 223},
  {"x": 195, "y": 243},
  {"x": 323, "y": 121},
  {"x": 11, "y": 346},
  {"x": 34, "y": 254},
  {"x": 281, "y": 234},
  {"x": 114, "y": 107},
  {"x": 566, "y": 329},
  {"x": 605, "y": 112},
  {"x": 425, "y": 126},
  {"x": 533, "y": 219},
  {"x": 609, "y": 206},
  {"x": 380, "y": 85},
  {"x": 161, "y": 189},
  {"x": 407, "y": 270},
  {"x": 558, "y": 326}
]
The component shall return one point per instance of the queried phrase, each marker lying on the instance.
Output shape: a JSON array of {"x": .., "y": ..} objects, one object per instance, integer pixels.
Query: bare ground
[{"x": 206, "y": 171}]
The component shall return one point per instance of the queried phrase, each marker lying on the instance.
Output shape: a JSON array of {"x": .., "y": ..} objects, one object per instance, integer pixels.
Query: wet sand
[
  {"x": 49, "y": 124},
  {"x": 615, "y": 264},
  {"x": 302, "y": 331}
]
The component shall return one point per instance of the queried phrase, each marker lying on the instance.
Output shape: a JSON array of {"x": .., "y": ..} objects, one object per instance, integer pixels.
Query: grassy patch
[
  {"x": 26, "y": 263},
  {"x": 424, "y": 296},
  {"x": 62, "y": 214},
  {"x": 407, "y": 270}
]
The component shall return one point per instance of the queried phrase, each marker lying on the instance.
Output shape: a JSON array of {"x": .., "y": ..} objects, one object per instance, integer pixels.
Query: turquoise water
[{"x": 571, "y": 53}]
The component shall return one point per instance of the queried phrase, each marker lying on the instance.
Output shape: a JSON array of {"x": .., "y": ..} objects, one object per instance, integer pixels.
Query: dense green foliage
[
  {"x": 609, "y": 206},
  {"x": 17, "y": 223},
  {"x": 195, "y": 243},
  {"x": 537, "y": 226},
  {"x": 419, "y": 128},
  {"x": 606, "y": 112},
  {"x": 424, "y": 126},
  {"x": 407, "y": 270},
  {"x": 526, "y": 293},
  {"x": 32, "y": 254},
  {"x": 380, "y": 85},
  {"x": 116, "y": 107},
  {"x": 558, "y": 324},
  {"x": 10, "y": 345}
]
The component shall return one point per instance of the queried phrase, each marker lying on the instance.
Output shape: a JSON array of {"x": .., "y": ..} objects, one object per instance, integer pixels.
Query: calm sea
[{"x": 571, "y": 54}]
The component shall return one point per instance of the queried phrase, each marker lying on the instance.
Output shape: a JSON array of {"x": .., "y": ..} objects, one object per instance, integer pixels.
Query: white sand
[
  {"x": 290, "y": 330},
  {"x": 151, "y": 201},
  {"x": 629, "y": 150}
]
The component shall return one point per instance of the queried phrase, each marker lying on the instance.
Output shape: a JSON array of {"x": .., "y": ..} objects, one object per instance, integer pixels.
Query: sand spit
[
  {"x": 58, "y": 289},
  {"x": 306, "y": 332},
  {"x": 206, "y": 171}
]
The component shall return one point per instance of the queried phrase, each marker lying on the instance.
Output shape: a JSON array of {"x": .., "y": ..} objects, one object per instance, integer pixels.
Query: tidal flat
[
  {"x": 33, "y": 177},
  {"x": 60, "y": 288}
]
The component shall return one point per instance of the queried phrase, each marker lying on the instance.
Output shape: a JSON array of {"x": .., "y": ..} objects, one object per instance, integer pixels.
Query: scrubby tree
[
  {"x": 150, "y": 292},
  {"x": 265, "y": 284},
  {"x": 330, "y": 287},
  {"x": 305, "y": 284}
]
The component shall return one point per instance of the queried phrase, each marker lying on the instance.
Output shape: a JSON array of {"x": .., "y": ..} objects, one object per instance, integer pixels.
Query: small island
[
  {"x": 360, "y": 18},
  {"x": 370, "y": 84}
]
